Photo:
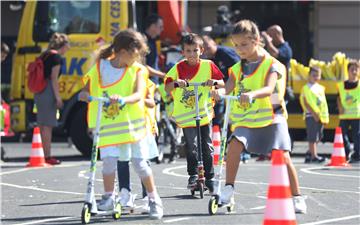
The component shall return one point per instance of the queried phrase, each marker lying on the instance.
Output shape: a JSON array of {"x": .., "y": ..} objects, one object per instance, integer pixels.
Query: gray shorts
[
  {"x": 264, "y": 140},
  {"x": 314, "y": 130},
  {"x": 46, "y": 107}
]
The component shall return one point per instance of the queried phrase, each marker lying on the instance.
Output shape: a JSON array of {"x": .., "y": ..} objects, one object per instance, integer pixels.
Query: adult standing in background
[
  {"x": 49, "y": 100},
  {"x": 154, "y": 25},
  {"x": 223, "y": 57}
]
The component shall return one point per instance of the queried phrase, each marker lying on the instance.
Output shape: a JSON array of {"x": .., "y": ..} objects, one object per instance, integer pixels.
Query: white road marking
[
  {"x": 309, "y": 170},
  {"x": 46, "y": 220},
  {"x": 14, "y": 171},
  {"x": 177, "y": 220},
  {"x": 259, "y": 207},
  {"x": 169, "y": 171},
  {"x": 332, "y": 220}
]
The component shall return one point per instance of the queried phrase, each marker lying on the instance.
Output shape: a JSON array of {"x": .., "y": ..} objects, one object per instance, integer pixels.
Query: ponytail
[{"x": 106, "y": 52}]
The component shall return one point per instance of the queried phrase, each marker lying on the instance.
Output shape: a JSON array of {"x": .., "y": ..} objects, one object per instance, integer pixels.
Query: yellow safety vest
[
  {"x": 119, "y": 125},
  {"x": 315, "y": 97},
  {"x": 150, "y": 112},
  {"x": 350, "y": 101},
  {"x": 260, "y": 112},
  {"x": 167, "y": 99},
  {"x": 184, "y": 112}
]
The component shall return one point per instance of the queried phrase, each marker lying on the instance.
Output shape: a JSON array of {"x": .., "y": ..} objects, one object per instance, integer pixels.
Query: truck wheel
[{"x": 79, "y": 132}]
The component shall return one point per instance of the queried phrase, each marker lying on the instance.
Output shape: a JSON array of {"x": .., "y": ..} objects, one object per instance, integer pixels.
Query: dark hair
[
  {"x": 246, "y": 27},
  {"x": 4, "y": 48},
  {"x": 315, "y": 69},
  {"x": 129, "y": 40},
  {"x": 192, "y": 39},
  {"x": 58, "y": 40},
  {"x": 353, "y": 62},
  {"x": 152, "y": 19}
]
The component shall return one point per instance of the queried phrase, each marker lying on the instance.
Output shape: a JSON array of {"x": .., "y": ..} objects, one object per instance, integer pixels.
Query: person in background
[
  {"x": 4, "y": 51},
  {"x": 154, "y": 25},
  {"x": 49, "y": 100},
  {"x": 348, "y": 103},
  {"x": 316, "y": 114},
  {"x": 280, "y": 49}
]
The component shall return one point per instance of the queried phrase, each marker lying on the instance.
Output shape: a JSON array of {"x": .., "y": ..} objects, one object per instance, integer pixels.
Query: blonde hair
[
  {"x": 129, "y": 40},
  {"x": 247, "y": 27},
  {"x": 58, "y": 40}
]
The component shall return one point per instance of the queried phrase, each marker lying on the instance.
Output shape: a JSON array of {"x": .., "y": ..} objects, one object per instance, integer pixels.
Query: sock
[
  {"x": 153, "y": 195},
  {"x": 110, "y": 194},
  {"x": 232, "y": 185}
]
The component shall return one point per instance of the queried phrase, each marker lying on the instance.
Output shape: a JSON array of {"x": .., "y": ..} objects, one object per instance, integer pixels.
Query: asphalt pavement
[{"x": 55, "y": 195}]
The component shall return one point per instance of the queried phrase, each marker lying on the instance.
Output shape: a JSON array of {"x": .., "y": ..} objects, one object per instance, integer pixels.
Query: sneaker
[
  {"x": 299, "y": 204},
  {"x": 226, "y": 194},
  {"x": 52, "y": 161},
  {"x": 307, "y": 157},
  {"x": 245, "y": 157},
  {"x": 156, "y": 209},
  {"x": 107, "y": 203},
  {"x": 126, "y": 198},
  {"x": 192, "y": 181},
  {"x": 145, "y": 205},
  {"x": 210, "y": 185},
  {"x": 354, "y": 160},
  {"x": 318, "y": 159}
]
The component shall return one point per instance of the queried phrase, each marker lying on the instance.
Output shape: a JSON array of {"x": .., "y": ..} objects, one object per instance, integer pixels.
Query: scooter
[
  {"x": 200, "y": 184},
  {"x": 90, "y": 208},
  {"x": 215, "y": 201}
]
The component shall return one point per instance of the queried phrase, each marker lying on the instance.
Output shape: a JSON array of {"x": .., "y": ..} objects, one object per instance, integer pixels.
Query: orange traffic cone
[
  {"x": 37, "y": 153},
  {"x": 279, "y": 205},
  {"x": 216, "y": 139},
  {"x": 338, "y": 157}
]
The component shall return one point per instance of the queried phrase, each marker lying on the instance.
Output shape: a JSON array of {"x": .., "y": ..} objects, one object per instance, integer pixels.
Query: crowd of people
[{"x": 255, "y": 69}]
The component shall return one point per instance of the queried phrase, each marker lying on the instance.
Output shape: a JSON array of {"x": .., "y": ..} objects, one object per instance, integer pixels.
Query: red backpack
[{"x": 36, "y": 77}]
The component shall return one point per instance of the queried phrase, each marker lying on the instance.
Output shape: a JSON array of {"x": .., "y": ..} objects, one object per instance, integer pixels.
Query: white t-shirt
[{"x": 110, "y": 74}]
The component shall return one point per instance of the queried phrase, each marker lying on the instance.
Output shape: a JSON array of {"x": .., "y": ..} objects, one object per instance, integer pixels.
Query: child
[
  {"x": 348, "y": 103},
  {"x": 316, "y": 114},
  {"x": 123, "y": 128},
  {"x": 194, "y": 69},
  {"x": 256, "y": 77}
]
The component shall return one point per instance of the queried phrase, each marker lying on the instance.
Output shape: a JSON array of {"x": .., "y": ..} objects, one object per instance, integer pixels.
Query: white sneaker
[
  {"x": 299, "y": 204},
  {"x": 227, "y": 194},
  {"x": 156, "y": 209},
  {"x": 126, "y": 198},
  {"x": 107, "y": 203},
  {"x": 145, "y": 205}
]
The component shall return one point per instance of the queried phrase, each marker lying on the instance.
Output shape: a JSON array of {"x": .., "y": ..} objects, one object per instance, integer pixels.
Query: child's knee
[
  {"x": 109, "y": 165},
  {"x": 141, "y": 167}
]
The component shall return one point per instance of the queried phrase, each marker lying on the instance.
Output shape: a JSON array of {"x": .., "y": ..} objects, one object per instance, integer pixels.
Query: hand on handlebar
[
  {"x": 245, "y": 99},
  {"x": 84, "y": 96},
  {"x": 180, "y": 83}
]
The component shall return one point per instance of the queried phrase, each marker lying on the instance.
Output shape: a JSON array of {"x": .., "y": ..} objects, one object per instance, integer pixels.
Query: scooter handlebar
[
  {"x": 232, "y": 97},
  {"x": 188, "y": 84},
  {"x": 102, "y": 99}
]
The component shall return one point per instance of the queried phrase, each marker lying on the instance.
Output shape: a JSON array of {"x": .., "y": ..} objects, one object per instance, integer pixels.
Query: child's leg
[
  {"x": 144, "y": 194},
  {"x": 207, "y": 151},
  {"x": 145, "y": 173},
  {"x": 313, "y": 150},
  {"x": 123, "y": 175},
  {"x": 109, "y": 168},
  {"x": 355, "y": 129},
  {"x": 293, "y": 177},
  {"x": 191, "y": 151},
  {"x": 233, "y": 160}
]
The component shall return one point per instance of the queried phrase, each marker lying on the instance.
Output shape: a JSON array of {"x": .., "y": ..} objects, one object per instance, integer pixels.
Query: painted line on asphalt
[
  {"x": 259, "y": 207},
  {"x": 309, "y": 171},
  {"x": 169, "y": 171},
  {"x": 332, "y": 220},
  {"x": 46, "y": 220},
  {"x": 177, "y": 220}
]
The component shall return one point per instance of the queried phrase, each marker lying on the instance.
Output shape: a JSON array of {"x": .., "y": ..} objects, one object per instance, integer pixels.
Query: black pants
[
  {"x": 192, "y": 150},
  {"x": 355, "y": 131}
]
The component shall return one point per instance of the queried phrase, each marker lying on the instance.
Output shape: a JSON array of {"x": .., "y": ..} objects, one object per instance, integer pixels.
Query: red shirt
[{"x": 187, "y": 72}]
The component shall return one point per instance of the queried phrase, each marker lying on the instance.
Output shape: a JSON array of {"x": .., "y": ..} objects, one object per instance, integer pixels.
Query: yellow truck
[{"x": 88, "y": 24}]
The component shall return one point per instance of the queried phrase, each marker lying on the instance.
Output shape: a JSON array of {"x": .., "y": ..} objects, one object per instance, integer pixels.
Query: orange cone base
[
  {"x": 338, "y": 161},
  {"x": 216, "y": 160},
  {"x": 279, "y": 222},
  {"x": 37, "y": 162}
]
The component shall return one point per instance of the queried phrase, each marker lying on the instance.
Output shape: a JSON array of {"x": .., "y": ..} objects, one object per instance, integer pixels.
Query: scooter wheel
[
  {"x": 86, "y": 214},
  {"x": 117, "y": 213},
  {"x": 201, "y": 189},
  {"x": 213, "y": 205}
]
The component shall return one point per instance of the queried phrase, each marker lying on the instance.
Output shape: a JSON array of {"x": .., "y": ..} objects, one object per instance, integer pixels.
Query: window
[{"x": 80, "y": 17}]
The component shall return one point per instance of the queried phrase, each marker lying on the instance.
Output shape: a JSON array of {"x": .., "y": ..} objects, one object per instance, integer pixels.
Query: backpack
[{"x": 36, "y": 77}]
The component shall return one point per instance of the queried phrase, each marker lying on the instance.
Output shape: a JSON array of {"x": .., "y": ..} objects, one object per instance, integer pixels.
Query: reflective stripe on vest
[
  {"x": 118, "y": 124},
  {"x": 350, "y": 101},
  {"x": 316, "y": 99},
  {"x": 260, "y": 112},
  {"x": 184, "y": 111}
]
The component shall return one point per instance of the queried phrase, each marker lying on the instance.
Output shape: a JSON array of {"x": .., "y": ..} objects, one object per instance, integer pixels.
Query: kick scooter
[
  {"x": 90, "y": 208},
  {"x": 215, "y": 201}
]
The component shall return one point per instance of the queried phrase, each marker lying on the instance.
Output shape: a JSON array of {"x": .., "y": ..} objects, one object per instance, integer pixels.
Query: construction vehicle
[{"x": 89, "y": 25}]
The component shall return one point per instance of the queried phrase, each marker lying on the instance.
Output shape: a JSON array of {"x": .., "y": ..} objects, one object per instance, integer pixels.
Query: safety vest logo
[
  {"x": 241, "y": 90},
  {"x": 111, "y": 111},
  {"x": 188, "y": 98},
  {"x": 349, "y": 99}
]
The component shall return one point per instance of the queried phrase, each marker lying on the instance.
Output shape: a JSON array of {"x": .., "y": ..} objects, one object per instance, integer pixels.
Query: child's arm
[
  {"x": 139, "y": 90},
  {"x": 149, "y": 101},
  {"x": 339, "y": 105},
  {"x": 169, "y": 87}
]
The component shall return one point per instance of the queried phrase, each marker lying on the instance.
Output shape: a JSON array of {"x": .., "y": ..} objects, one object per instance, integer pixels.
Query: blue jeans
[{"x": 354, "y": 124}]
